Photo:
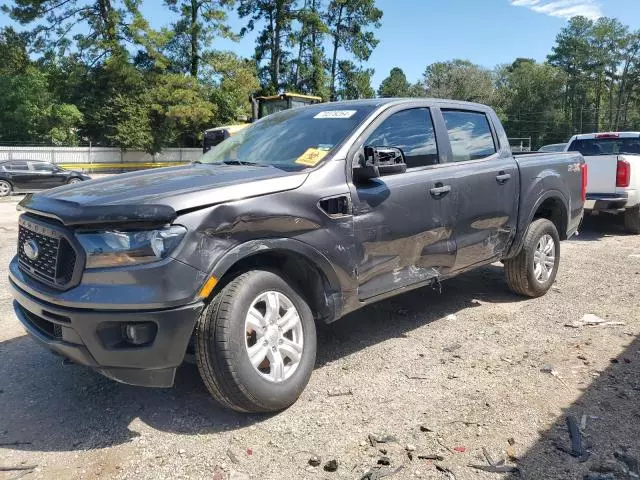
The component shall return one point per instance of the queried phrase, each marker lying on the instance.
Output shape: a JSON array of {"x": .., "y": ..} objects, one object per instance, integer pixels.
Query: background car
[
  {"x": 24, "y": 176},
  {"x": 554, "y": 147}
]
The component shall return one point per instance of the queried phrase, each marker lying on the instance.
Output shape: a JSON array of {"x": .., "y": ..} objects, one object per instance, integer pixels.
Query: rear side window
[
  {"x": 469, "y": 134},
  {"x": 17, "y": 166},
  {"x": 592, "y": 147},
  {"x": 412, "y": 132}
]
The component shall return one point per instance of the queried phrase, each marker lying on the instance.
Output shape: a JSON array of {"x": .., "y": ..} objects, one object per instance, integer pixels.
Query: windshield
[
  {"x": 291, "y": 140},
  {"x": 606, "y": 146}
]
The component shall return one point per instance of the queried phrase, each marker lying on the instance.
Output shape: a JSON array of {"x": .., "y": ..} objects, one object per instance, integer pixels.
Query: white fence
[{"x": 97, "y": 155}]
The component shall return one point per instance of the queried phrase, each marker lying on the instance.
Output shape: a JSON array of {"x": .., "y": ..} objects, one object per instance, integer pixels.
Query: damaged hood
[{"x": 158, "y": 195}]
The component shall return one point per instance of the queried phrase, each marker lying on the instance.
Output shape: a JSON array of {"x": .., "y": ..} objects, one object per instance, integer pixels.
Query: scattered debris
[
  {"x": 410, "y": 447},
  {"x": 549, "y": 369},
  {"x": 233, "y": 457},
  {"x": 451, "y": 317},
  {"x": 339, "y": 393},
  {"x": 450, "y": 475},
  {"x": 416, "y": 377},
  {"x": 441, "y": 443},
  {"x": 495, "y": 468},
  {"x": 18, "y": 468},
  {"x": 583, "y": 422},
  {"x": 578, "y": 448},
  {"x": 511, "y": 441},
  {"x": 452, "y": 348},
  {"x": 426, "y": 428},
  {"x": 631, "y": 462},
  {"x": 331, "y": 466},
  {"x": 431, "y": 456},
  {"x": 249, "y": 451},
  {"x": 315, "y": 461},
  {"x": 599, "y": 476},
  {"x": 377, "y": 473},
  {"x": 589, "y": 319},
  {"x": 384, "y": 461},
  {"x": 460, "y": 449},
  {"x": 374, "y": 440},
  {"x": 182, "y": 451}
]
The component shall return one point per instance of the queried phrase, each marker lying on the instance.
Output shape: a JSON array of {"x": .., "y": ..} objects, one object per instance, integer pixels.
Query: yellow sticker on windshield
[{"x": 311, "y": 157}]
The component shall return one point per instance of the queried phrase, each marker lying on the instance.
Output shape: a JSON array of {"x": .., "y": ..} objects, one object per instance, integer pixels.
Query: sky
[{"x": 416, "y": 33}]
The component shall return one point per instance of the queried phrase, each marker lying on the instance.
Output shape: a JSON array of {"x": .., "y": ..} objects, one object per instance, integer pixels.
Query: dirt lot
[{"x": 474, "y": 380}]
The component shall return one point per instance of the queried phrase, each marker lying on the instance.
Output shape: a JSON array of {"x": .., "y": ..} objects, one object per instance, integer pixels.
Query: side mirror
[{"x": 374, "y": 162}]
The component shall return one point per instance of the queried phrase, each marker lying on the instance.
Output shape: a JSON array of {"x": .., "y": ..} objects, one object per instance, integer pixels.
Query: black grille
[{"x": 55, "y": 260}]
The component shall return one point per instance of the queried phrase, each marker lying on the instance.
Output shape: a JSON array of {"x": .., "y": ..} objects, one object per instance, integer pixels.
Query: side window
[
  {"x": 470, "y": 135},
  {"x": 412, "y": 132},
  {"x": 17, "y": 167},
  {"x": 42, "y": 167}
]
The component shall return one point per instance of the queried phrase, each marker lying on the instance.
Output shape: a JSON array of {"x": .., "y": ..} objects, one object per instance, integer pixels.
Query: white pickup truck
[{"x": 613, "y": 184}]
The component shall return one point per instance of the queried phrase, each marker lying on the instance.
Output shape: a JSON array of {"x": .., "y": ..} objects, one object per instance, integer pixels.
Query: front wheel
[
  {"x": 256, "y": 343},
  {"x": 74, "y": 180},
  {"x": 632, "y": 219},
  {"x": 533, "y": 270}
]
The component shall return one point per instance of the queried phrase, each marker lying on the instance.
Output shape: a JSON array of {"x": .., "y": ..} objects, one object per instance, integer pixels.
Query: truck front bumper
[{"x": 134, "y": 347}]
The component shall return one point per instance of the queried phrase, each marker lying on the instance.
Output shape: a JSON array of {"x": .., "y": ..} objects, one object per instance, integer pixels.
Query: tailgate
[{"x": 602, "y": 173}]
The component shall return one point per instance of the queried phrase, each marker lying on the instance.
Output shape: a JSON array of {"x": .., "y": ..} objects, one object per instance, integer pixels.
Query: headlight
[{"x": 114, "y": 248}]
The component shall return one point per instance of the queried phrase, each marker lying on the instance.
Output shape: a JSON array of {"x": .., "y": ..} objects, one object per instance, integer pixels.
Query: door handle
[
  {"x": 503, "y": 178},
  {"x": 440, "y": 190}
]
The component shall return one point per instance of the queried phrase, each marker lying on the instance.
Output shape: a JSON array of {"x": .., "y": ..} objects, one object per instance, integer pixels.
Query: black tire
[
  {"x": 632, "y": 220},
  {"x": 7, "y": 188},
  {"x": 519, "y": 270},
  {"x": 73, "y": 180},
  {"x": 221, "y": 355}
]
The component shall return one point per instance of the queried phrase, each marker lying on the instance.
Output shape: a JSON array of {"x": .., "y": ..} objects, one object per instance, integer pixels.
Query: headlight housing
[{"x": 115, "y": 248}]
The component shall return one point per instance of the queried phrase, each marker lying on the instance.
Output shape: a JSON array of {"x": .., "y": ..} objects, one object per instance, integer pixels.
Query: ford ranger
[
  {"x": 303, "y": 217},
  {"x": 613, "y": 159}
]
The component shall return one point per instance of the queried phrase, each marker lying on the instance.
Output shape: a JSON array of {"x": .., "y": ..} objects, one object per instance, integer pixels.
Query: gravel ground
[{"x": 465, "y": 365}]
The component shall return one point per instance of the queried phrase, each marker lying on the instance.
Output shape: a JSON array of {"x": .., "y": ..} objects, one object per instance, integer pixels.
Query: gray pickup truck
[{"x": 303, "y": 217}]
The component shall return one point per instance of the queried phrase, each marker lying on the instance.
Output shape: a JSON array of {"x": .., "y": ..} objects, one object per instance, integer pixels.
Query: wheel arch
[
  {"x": 309, "y": 270},
  {"x": 551, "y": 205}
]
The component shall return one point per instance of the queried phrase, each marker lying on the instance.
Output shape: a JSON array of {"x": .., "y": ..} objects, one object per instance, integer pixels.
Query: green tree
[
  {"x": 308, "y": 73},
  {"x": 277, "y": 16},
  {"x": 459, "y": 80},
  {"x": 105, "y": 25},
  {"x": 348, "y": 22},
  {"x": 528, "y": 98},
  {"x": 395, "y": 85},
  {"x": 354, "y": 82},
  {"x": 199, "y": 23},
  {"x": 234, "y": 79},
  {"x": 14, "y": 58}
]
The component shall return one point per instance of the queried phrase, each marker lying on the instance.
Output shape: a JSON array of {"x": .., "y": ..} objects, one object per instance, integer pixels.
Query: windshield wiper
[{"x": 243, "y": 162}]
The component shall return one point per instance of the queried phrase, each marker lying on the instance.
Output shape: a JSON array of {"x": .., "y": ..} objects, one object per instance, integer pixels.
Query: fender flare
[
  {"x": 555, "y": 194},
  {"x": 256, "y": 247}
]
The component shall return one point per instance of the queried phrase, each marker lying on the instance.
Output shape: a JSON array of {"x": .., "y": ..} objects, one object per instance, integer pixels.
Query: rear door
[
  {"x": 486, "y": 179},
  {"x": 18, "y": 174}
]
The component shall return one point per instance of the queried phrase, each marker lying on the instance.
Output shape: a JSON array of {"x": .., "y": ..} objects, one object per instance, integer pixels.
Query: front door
[
  {"x": 403, "y": 222},
  {"x": 47, "y": 175}
]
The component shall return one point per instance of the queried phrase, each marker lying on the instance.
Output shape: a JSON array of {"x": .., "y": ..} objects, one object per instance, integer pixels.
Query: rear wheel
[
  {"x": 632, "y": 219},
  {"x": 5, "y": 188},
  {"x": 256, "y": 343},
  {"x": 534, "y": 269}
]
